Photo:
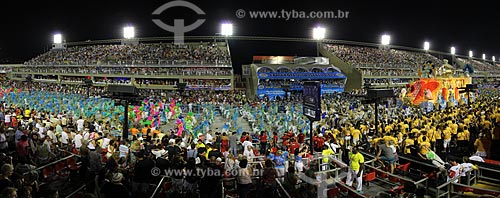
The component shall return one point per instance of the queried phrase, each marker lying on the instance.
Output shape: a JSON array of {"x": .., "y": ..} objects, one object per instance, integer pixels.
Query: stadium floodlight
[
  {"x": 57, "y": 38},
  {"x": 484, "y": 56},
  {"x": 128, "y": 32},
  {"x": 386, "y": 39},
  {"x": 226, "y": 29},
  {"x": 471, "y": 54},
  {"x": 319, "y": 33},
  {"x": 493, "y": 58},
  {"x": 452, "y": 50},
  {"x": 427, "y": 45}
]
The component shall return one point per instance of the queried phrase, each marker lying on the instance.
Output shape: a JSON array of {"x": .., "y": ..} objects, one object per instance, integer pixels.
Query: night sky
[{"x": 27, "y": 27}]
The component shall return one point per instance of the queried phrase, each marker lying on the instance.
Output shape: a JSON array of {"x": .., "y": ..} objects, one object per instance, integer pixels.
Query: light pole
[
  {"x": 318, "y": 35},
  {"x": 385, "y": 40},
  {"x": 452, "y": 52},
  {"x": 226, "y": 30},
  {"x": 427, "y": 46}
]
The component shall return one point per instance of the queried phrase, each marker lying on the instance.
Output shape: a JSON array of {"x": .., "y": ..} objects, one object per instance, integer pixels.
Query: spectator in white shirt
[
  {"x": 7, "y": 119},
  {"x": 248, "y": 147},
  {"x": 105, "y": 141},
  {"x": 208, "y": 137},
  {"x": 80, "y": 123},
  {"x": 78, "y": 140},
  {"x": 124, "y": 149},
  {"x": 64, "y": 138},
  {"x": 52, "y": 136},
  {"x": 86, "y": 134}
]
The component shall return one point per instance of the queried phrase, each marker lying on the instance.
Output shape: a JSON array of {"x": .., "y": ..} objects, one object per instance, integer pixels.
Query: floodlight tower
[
  {"x": 226, "y": 30},
  {"x": 318, "y": 35},
  {"x": 58, "y": 42},
  {"x": 385, "y": 40},
  {"x": 427, "y": 46},
  {"x": 452, "y": 52},
  {"x": 129, "y": 36}
]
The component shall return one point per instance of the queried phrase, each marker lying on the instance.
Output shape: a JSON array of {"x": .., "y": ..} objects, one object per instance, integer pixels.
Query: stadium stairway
[{"x": 354, "y": 77}]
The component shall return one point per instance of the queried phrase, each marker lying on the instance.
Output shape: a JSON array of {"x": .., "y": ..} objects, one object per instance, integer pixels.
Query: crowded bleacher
[
  {"x": 481, "y": 66},
  {"x": 153, "y": 71},
  {"x": 386, "y": 58},
  {"x": 141, "y": 54}
]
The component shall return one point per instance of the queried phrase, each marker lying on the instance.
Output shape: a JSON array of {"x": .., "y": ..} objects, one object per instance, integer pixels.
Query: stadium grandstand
[
  {"x": 378, "y": 66},
  {"x": 201, "y": 65}
]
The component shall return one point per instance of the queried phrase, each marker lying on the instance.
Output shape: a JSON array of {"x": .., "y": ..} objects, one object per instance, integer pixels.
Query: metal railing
[
  {"x": 282, "y": 188},
  {"x": 416, "y": 183},
  {"x": 55, "y": 162},
  {"x": 480, "y": 173},
  {"x": 158, "y": 187},
  {"x": 449, "y": 188},
  {"x": 76, "y": 191},
  {"x": 487, "y": 191}
]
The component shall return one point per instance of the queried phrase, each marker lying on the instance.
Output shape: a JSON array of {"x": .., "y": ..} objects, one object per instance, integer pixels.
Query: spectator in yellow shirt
[{"x": 356, "y": 136}]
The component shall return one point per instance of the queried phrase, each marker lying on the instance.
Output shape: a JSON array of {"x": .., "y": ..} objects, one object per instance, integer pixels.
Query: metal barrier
[
  {"x": 471, "y": 179},
  {"x": 419, "y": 182},
  {"x": 417, "y": 162},
  {"x": 55, "y": 162},
  {"x": 76, "y": 191},
  {"x": 158, "y": 187},
  {"x": 472, "y": 187},
  {"x": 282, "y": 188},
  {"x": 480, "y": 174},
  {"x": 349, "y": 189},
  {"x": 337, "y": 180},
  {"x": 449, "y": 188}
]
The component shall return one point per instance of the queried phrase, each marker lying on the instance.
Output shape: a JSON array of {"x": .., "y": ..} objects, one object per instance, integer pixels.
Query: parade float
[{"x": 440, "y": 87}]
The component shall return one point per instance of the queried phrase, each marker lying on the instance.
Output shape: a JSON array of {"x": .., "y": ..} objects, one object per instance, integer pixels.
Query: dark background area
[{"x": 27, "y": 27}]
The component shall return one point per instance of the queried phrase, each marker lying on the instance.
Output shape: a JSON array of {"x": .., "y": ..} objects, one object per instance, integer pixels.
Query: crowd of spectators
[
  {"x": 481, "y": 66},
  {"x": 154, "y": 71},
  {"x": 112, "y": 81},
  {"x": 140, "y": 54},
  {"x": 381, "y": 58},
  {"x": 46, "y": 77},
  {"x": 73, "y": 79},
  {"x": 207, "y": 83},
  {"x": 387, "y": 72},
  {"x": 388, "y": 81},
  {"x": 146, "y": 82}
]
